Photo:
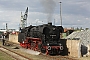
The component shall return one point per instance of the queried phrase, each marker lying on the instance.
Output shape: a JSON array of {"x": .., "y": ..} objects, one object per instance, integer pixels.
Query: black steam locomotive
[{"x": 44, "y": 38}]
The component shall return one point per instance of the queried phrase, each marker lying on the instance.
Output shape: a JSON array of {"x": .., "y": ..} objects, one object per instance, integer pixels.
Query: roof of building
[{"x": 83, "y": 36}]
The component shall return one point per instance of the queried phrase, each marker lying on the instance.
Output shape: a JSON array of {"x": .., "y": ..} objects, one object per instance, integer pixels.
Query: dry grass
[
  {"x": 84, "y": 58},
  {"x": 4, "y": 56}
]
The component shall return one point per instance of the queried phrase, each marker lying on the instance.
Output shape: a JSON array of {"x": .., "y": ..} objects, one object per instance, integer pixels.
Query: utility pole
[
  {"x": 60, "y": 19},
  {"x": 60, "y": 14},
  {"x": 6, "y": 27}
]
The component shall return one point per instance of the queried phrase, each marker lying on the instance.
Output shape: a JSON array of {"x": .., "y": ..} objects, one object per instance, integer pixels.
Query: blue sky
[{"x": 75, "y": 13}]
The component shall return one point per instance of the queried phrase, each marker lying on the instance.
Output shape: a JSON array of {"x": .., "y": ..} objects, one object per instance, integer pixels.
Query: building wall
[
  {"x": 13, "y": 38},
  {"x": 88, "y": 50},
  {"x": 74, "y": 48}
]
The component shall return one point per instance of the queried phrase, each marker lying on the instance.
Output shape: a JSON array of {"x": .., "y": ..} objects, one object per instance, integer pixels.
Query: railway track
[
  {"x": 59, "y": 57},
  {"x": 13, "y": 54},
  {"x": 18, "y": 56}
]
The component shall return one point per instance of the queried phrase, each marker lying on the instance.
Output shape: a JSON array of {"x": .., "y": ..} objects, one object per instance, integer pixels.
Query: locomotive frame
[{"x": 45, "y": 42}]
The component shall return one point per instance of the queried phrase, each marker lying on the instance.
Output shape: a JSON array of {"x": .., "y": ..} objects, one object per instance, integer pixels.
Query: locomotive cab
[{"x": 52, "y": 34}]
